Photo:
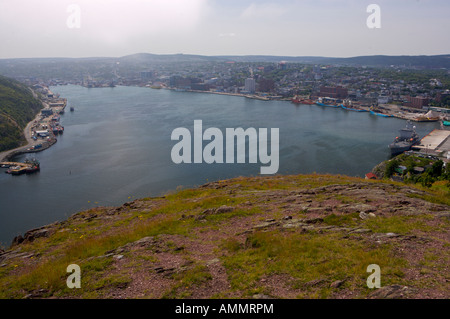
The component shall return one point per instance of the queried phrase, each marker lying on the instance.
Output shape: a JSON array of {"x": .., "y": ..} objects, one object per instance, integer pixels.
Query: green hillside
[{"x": 17, "y": 108}]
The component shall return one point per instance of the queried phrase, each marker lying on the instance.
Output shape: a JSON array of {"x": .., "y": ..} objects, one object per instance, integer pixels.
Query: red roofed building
[{"x": 371, "y": 176}]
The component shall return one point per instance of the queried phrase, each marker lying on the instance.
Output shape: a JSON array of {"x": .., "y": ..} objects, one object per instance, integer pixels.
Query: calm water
[{"x": 116, "y": 147}]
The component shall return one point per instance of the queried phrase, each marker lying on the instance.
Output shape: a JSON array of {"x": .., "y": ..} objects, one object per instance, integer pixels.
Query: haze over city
[{"x": 335, "y": 28}]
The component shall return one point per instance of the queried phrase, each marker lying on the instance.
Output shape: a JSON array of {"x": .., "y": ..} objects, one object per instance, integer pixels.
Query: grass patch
[
  {"x": 438, "y": 196},
  {"x": 341, "y": 220},
  {"x": 398, "y": 224},
  {"x": 307, "y": 257},
  {"x": 215, "y": 218},
  {"x": 112, "y": 282},
  {"x": 345, "y": 199},
  {"x": 231, "y": 245},
  {"x": 186, "y": 280}
]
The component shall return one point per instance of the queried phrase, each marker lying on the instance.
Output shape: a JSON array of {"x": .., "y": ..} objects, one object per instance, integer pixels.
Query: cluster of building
[
  {"x": 48, "y": 125},
  {"x": 412, "y": 90},
  {"x": 366, "y": 86}
]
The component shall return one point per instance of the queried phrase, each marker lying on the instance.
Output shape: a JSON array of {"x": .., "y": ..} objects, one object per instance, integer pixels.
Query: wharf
[
  {"x": 17, "y": 168},
  {"x": 437, "y": 140}
]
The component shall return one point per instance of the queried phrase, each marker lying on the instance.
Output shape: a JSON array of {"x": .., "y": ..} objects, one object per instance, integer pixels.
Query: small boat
[
  {"x": 32, "y": 169},
  {"x": 72, "y": 109}
]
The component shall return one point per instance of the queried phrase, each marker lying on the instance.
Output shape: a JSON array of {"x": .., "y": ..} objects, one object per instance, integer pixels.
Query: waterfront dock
[
  {"x": 18, "y": 168},
  {"x": 436, "y": 141}
]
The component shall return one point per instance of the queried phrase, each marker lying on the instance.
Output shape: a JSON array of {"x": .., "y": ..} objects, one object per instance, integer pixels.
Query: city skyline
[{"x": 114, "y": 28}]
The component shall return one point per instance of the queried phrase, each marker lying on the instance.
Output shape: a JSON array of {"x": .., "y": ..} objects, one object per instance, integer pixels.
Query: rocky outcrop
[
  {"x": 31, "y": 235},
  {"x": 391, "y": 292}
]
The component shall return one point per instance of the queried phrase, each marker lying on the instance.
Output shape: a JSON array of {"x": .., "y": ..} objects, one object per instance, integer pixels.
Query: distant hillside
[
  {"x": 423, "y": 61},
  {"x": 70, "y": 69},
  {"x": 17, "y": 108}
]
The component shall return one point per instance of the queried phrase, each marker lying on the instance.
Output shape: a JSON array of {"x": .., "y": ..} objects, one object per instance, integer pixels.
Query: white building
[{"x": 384, "y": 99}]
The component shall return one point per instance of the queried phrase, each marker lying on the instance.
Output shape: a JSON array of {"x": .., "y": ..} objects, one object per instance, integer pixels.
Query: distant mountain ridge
[
  {"x": 435, "y": 61},
  {"x": 427, "y": 61}
]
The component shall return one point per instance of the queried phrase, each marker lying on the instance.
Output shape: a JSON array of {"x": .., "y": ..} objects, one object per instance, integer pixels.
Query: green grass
[
  {"x": 186, "y": 280},
  {"x": 83, "y": 240},
  {"x": 111, "y": 282},
  {"x": 341, "y": 220},
  {"x": 304, "y": 258},
  {"x": 434, "y": 196},
  {"x": 345, "y": 199},
  {"x": 301, "y": 257},
  {"x": 399, "y": 224}
]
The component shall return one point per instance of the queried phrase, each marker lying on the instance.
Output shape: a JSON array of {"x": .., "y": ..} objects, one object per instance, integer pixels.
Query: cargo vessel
[
  {"x": 327, "y": 101},
  {"x": 299, "y": 100}
]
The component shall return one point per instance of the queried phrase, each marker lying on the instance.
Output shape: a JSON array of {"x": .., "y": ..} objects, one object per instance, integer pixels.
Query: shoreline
[
  {"x": 386, "y": 109},
  {"x": 24, "y": 149},
  {"x": 402, "y": 115},
  {"x": 7, "y": 155},
  {"x": 30, "y": 142}
]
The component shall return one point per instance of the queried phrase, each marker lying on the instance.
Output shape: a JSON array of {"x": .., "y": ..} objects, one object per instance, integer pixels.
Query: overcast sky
[{"x": 334, "y": 28}]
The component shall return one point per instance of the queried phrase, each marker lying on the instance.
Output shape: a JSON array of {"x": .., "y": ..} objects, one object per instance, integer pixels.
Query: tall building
[
  {"x": 250, "y": 85},
  {"x": 416, "y": 102},
  {"x": 337, "y": 92}
]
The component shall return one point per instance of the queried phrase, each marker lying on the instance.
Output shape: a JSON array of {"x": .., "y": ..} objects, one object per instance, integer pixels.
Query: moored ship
[
  {"x": 299, "y": 100},
  {"x": 28, "y": 167},
  {"x": 349, "y": 106},
  {"x": 327, "y": 101},
  {"x": 408, "y": 137}
]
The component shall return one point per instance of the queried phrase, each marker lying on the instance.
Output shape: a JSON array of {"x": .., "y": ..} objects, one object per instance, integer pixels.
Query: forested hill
[{"x": 18, "y": 106}]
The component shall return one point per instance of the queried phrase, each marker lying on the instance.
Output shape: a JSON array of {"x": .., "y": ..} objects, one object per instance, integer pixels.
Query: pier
[
  {"x": 17, "y": 168},
  {"x": 436, "y": 141}
]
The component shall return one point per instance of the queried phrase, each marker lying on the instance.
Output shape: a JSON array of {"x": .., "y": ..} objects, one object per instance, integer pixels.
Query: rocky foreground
[{"x": 306, "y": 236}]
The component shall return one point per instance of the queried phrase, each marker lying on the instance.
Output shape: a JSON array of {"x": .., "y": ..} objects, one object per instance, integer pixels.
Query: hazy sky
[{"x": 336, "y": 28}]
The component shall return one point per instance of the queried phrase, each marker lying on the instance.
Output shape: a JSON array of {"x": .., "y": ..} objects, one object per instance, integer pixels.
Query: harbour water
[{"x": 116, "y": 147}]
